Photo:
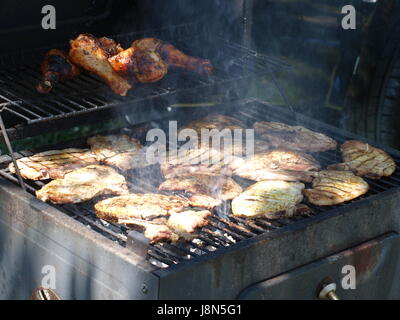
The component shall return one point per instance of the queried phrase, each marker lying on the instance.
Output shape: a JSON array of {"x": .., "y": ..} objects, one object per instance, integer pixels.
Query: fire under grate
[{"x": 224, "y": 230}]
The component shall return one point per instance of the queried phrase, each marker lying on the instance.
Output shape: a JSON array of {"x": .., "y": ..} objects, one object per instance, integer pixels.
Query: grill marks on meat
[
  {"x": 270, "y": 199},
  {"x": 53, "y": 164},
  {"x": 206, "y": 191},
  {"x": 332, "y": 187},
  {"x": 120, "y": 151},
  {"x": 365, "y": 160},
  {"x": 205, "y": 161},
  {"x": 220, "y": 187},
  {"x": 83, "y": 184},
  {"x": 139, "y": 206},
  {"x": 87, "y": 52},
  {"x": 56, "y": 67},
  {"x": 280, "y": 135},
  {"x": 174, "y": 57},
  {"x": 276, "y": 165}
]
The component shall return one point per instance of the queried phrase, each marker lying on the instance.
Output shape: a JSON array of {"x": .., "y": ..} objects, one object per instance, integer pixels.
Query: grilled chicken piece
[
  {"x": 205, "y": 191},
  {"x": 365, "y": 160},
  {"x": 280, "y": 135},
  {"x": 185, "y": 223},
  {"x": 109, "y": 46},
  {"x": 143, "y": 65},
  {"x": 276, "y": 165},
  {"x": 219, "y": 122},
  {"x": 180, "y": 225},
  {"x": 206, "y": 161},
  {"x": 53, "y": 164},
  {"x": 270, "y": 199},
  {"x": 174, "y": 57},
  {"x": 332, "y": 187},
  {"x": 203, "y": 201},
  {"x": 56, "y": 67},
  {"x": 216, "y": 121},
  {"x": 160, "y": 233},
  {"x": 120, "y": 151},
  {"x": 219, "y": 187},
  {"x": 86, "y": 51},
  {"x": 142, "y": 206},
  {"x": 83, "y": 184}
]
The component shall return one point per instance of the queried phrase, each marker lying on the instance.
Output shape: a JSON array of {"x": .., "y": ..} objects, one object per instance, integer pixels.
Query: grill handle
[
  {"x": 328, "y": 292},
  {"x": 41, "y": 293}
]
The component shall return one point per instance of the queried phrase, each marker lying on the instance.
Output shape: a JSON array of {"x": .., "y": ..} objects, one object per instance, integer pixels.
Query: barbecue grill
[{"x": 231, "y": 257}]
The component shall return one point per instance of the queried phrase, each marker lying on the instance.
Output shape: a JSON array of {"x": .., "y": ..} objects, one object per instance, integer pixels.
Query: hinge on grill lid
[{"x": 11, "y": 152}]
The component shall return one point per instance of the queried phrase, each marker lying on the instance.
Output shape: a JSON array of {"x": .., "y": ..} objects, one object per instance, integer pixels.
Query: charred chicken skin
[
  {"x": 110, "y": 47},
  {"x": 143, "y": 65},
  {"x": 55, "y": 68},
  {"x": 87, "y": 52},
  {"x": 174, "y": 57}
]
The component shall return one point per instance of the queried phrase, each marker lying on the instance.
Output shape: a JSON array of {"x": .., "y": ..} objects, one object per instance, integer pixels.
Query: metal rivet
[{"x": 144, "y": 288}]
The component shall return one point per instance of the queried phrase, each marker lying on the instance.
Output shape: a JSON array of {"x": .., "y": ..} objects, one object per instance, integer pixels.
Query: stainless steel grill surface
[{"x": 224, "y": 230}]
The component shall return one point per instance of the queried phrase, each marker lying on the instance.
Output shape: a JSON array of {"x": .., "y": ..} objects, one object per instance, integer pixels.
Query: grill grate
[{"x": 225, "y": 231}]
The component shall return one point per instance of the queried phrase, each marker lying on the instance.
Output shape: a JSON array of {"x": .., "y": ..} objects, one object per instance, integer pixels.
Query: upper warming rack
[{"x": 24, "y": 109}]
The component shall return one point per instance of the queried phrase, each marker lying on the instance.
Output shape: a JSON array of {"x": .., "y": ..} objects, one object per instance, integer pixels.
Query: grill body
[{"x": 92, "y": 261}]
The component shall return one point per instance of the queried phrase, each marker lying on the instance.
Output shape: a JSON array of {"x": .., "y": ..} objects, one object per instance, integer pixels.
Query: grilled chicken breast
[
  {"x": 276, "y": 165},
  {"x": 160, "y": 233},
  {"x": 139, "y": 206},
  {"x": 185, "y": 223},
  {"x": 203, "y": 201},
  {"x": 109, "y": 46},
  {"x": 332, "y": 187},
  {"x": 215, "y": 121},
  {"x": 53, "y": 164},
  {"x": 365, "y": 160},
  {"x": 83, "y": 184},
  {"x": 219, "y": 187},
  {"x": 180, "y": 225},
  {"x": 87, "y": 52},
  {"x": 56, "y": 67},
  {"x": 206, "y": 161},
  {"x": 120, "y": 151},
  {"x": 205, "y": 191},
  {"x": 270, "y": 199},
  {"x": 280, "y": 135}
]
